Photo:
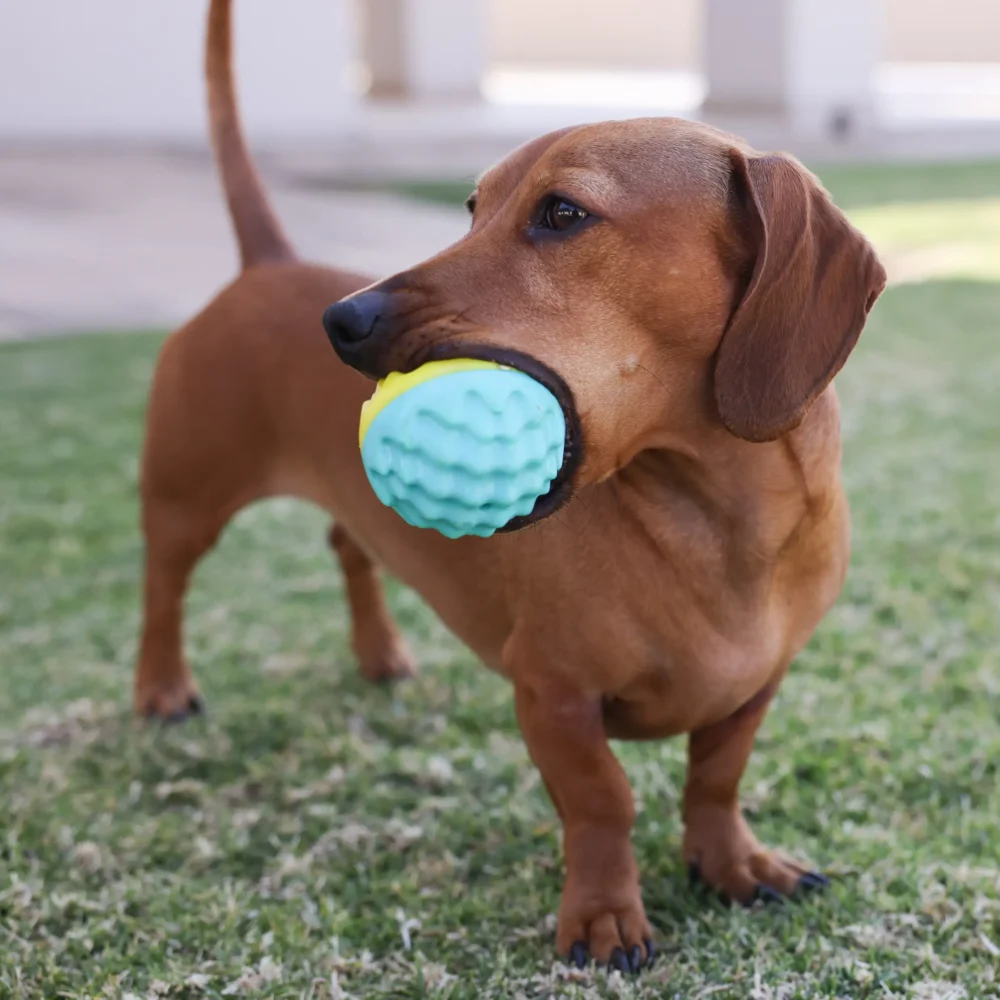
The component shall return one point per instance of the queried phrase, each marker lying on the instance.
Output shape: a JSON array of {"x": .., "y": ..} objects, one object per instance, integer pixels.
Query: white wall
[
  {"x": 423, "y": 49},
  {"x": 133, "y": 68}
]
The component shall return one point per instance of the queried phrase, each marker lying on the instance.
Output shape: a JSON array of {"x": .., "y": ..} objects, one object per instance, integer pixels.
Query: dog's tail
[{"x": 258, "y": 231}]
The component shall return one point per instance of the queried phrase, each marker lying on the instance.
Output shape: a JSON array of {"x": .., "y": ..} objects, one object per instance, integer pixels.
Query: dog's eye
[
  {"x": 470, "y": 204},
  {"x": 559, "y": 215}
]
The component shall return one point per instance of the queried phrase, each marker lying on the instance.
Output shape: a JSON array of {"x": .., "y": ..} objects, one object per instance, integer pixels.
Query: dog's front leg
[{"x": 601, "y": 914}]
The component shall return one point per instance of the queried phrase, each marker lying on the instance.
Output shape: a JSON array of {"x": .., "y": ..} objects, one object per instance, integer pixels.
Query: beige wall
[
  {"x": 616, "y": 34},
  {"x": 665, "y": 34},
  {"x": 942, "y": 31}
]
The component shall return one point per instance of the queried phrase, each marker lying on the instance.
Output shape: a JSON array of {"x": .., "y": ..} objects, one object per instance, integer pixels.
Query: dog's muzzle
[{"x": 364, "y": 328}]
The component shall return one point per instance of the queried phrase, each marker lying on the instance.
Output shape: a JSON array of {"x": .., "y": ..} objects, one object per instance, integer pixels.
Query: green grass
[
  {"x": 285, "y": 844},
  {"x": 929, "y": 220},
  {"x": 852, "y": 186}
]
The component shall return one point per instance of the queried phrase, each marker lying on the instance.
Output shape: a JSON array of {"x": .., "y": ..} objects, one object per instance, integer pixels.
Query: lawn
[
  {"x": 315, "y": 837},
  {"x": 927, "y": 220},
  {"x": 852, "y": 185}
]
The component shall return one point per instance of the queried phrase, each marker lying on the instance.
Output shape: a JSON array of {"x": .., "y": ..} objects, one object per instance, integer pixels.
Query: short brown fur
[{"x": 698, "y": 324}]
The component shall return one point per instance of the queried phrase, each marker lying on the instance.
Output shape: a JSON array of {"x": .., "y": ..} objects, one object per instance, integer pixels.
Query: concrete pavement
[{"x": 118, "y": 239}]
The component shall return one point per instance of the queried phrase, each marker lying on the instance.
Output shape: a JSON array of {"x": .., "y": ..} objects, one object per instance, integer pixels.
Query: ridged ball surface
[{"x": 466, "y": 452}]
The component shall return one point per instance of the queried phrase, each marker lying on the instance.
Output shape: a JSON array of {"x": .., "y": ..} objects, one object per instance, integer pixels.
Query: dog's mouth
[{"x": 561, "y": 488}]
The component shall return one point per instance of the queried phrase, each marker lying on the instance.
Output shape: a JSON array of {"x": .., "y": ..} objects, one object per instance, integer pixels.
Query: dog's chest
[
  {"x": 678, "y": 637},
  {"x": 687, "y": 669}
]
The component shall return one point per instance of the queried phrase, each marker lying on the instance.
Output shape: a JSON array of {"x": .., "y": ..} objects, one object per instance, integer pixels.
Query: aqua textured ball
[{"x": 461, "y": 446}]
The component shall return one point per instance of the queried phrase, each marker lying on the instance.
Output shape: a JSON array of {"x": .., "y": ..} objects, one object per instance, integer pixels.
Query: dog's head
[{"x": 656, "y": 274}]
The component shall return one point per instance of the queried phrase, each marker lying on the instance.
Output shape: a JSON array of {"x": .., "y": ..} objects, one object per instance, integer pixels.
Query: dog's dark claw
[
  {"x": 635, "y": 959},
  {"x": 578, "y": 955},
  {"x": 650, "y": 952},
  {"x": 812, "y": 881},
  {"x": 194, "y": 706},
  {"x": 765, "y": 894},
  {"x": 618, "y": 961}
]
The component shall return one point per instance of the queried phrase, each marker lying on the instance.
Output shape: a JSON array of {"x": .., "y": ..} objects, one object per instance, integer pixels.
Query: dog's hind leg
[
  {"x": 176, "y": 539},
  {"x": 382, "y": 654}
]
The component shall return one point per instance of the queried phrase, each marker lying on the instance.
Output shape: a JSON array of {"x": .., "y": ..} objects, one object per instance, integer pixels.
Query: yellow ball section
[{"x": 396, "y": 383}]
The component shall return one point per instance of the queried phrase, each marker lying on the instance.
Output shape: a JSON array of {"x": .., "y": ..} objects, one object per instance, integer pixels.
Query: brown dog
[{"x": 689, "y": 301}]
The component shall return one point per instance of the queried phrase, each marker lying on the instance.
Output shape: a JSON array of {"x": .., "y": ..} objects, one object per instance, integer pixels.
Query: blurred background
[
  {"x": 108, "y": 205},
  {"x": 314, "y": 837}
]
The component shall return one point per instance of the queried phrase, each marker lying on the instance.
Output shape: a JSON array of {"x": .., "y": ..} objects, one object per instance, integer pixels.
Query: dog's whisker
[{"x": 652, "y": 375}]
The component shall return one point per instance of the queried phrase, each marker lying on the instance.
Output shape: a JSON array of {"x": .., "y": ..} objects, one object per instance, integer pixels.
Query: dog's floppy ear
[{"x": 814, "y": 280}]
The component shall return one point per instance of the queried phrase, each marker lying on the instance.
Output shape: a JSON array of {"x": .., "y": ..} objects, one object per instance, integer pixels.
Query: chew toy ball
[{"x": 462, "y": 446}]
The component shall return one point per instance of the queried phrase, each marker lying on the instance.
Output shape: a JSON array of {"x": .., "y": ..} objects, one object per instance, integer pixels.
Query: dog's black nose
[{"x": 354, "y": 319}]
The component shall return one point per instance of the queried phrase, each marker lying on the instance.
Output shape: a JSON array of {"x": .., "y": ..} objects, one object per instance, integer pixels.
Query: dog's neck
[{"x": 756, "y": 494}]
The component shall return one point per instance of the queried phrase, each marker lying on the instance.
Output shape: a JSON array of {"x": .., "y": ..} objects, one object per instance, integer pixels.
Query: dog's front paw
[
  {"x": 723, "y": 854},
  {"x": 609, "y": 929}
]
